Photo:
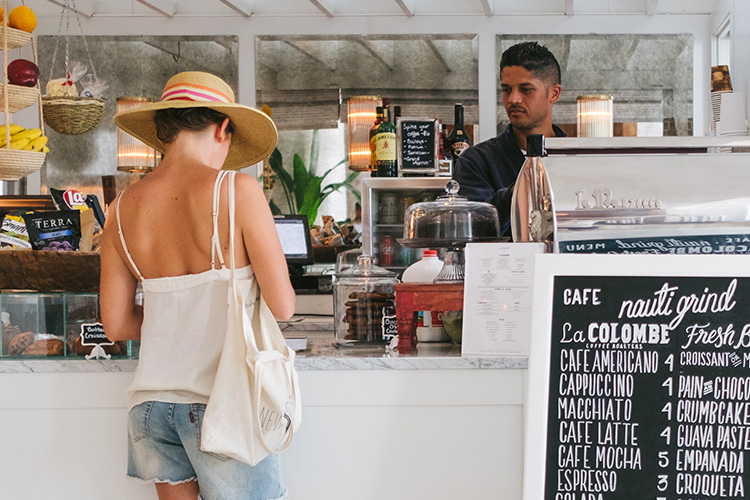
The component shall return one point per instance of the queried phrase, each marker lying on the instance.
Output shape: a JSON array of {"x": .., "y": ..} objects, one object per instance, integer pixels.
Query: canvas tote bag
[{"x": 254, "y": 408}]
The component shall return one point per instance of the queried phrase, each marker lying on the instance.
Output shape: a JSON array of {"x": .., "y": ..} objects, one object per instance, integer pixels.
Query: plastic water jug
[{"x": 429, "y": 323}]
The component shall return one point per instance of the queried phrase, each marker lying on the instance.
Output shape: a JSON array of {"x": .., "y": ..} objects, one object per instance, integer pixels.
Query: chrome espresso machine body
[{"x": 653, "y": 204}]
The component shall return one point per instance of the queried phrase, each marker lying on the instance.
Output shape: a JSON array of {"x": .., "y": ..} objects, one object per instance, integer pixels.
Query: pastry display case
[{"x": 50, "y": 325}]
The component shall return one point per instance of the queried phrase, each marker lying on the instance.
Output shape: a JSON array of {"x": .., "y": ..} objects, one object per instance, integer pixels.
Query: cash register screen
[{"x": 294, "y": 234}]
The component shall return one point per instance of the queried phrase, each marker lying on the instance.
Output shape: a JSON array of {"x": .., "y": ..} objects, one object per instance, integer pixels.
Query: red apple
[{"x": 23, "y": 72}]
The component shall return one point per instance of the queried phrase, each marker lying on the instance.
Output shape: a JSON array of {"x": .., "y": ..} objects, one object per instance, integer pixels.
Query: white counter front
[{"x": 376, "y": 426}]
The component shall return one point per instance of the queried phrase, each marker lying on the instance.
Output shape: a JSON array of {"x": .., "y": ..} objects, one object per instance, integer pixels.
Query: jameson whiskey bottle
[
  {"x": 459, "y": 139},
  {"x": 531, "y": 203},
  {"x": 373, "y": 132},
  {"x": 383, "y": 147}
]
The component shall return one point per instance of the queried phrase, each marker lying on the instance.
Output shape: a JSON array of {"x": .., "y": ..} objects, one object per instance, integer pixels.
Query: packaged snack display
[
  {"x": 58, "y": 231},
  {"x": 13, "y": 233}
]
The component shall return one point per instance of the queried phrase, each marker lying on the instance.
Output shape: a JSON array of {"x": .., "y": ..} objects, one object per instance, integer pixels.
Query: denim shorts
[{"x": 164, "y": 447}]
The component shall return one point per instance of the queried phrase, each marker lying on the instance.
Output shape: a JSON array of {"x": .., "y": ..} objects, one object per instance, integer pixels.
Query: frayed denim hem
[
  {"x": 285, "y": 496},
  {"x": 156, "y": 480}
]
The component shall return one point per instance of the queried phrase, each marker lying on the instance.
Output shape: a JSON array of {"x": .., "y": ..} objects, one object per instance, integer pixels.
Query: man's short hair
[{"x": 534, "y": 58}]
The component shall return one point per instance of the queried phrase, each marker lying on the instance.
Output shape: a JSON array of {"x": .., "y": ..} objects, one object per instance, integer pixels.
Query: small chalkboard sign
[
  {"x": 93, "y": 334},
  {"x": 418, "y": 145},
  {"x": 638, "y": 380}
]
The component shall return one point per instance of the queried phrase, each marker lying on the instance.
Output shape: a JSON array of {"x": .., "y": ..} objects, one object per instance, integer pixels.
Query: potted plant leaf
[{"x": 303, "y": 189}]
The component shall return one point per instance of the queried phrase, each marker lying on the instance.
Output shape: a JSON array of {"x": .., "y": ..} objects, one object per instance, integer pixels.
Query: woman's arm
[
  {"x": 121, "y": 317},
  {"x": 263, "y": 247}
]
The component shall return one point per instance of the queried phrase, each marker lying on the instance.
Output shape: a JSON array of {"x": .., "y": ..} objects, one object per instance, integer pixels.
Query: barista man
[{"x": 530, "y": 82}]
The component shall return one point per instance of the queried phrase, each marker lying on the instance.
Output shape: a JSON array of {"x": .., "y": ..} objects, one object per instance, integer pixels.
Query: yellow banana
[
  {"x": 20, "y": 143},
  {"x": 14, "y": 129},
  {"x": 31, "y": 133},
  {"x": 45, "y": 149},
  {"x": 37, "y": 144}
]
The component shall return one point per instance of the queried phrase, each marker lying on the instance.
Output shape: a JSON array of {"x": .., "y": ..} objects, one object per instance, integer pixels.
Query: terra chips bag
[{"x": 59, "y": 231}]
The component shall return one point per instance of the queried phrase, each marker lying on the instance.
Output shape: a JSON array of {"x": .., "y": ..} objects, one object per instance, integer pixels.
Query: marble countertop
[{"x": 320, "y": 354}]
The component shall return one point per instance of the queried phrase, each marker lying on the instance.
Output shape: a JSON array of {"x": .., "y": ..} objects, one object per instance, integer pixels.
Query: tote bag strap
[{"x": 231, "y": 177}]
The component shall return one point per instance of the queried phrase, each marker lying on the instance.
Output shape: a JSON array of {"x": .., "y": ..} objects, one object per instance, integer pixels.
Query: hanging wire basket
[{"x": 71, "y": 115}]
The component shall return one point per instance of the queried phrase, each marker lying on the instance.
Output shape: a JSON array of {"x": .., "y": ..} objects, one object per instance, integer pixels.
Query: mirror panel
[
  {"x": 131, "y": 66},
  {"x": 649, "y": 76},
  {"x": 307, "y": 81}
]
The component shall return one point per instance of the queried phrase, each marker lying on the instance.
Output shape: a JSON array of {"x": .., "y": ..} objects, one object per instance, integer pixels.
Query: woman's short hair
[{"x": 169, "y": 122}]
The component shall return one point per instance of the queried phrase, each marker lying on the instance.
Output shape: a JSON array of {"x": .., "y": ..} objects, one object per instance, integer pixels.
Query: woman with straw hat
[{"x": 170, "y": 231}]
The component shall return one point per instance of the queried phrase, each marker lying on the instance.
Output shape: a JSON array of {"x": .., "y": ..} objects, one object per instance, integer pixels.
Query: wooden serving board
[{"x": 46, "y": 271}]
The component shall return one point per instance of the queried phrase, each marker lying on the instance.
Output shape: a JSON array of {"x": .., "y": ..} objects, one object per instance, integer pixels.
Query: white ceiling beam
[
  {"x": 239, "y": 6},
  {"x": 651, "y": 6},
  {"x": 164, "y": 7},
  {"x": 83, "y": 8},
  {"x": 489, "y": 7},
  {"x": 407, "y": 6},
  {"x": 323, "y": 6},
  {"x": 569, "y": 7}
]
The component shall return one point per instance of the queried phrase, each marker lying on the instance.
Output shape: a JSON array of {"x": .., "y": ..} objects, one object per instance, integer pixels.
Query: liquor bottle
[
  {"x": 383, "y": 147},
  {"x": 396, "y": 116},
  {"x": 444, "y": 158},
  {"x": 531, "y": 203},
  {"x": 373, "y": 131},
  {"x": 459, "y": 139}
]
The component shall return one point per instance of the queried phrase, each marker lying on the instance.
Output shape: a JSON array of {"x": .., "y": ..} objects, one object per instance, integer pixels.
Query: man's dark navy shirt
[{"x": 487, "y": 171}]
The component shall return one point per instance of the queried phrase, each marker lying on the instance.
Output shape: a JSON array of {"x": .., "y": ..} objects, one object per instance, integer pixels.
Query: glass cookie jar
[{"x": 364, "y": 305}]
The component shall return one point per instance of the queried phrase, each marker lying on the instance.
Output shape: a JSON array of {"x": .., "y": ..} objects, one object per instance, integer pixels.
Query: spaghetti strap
[
  {"x": 122, "y": 238},
  {"x": 215, "y": 244}
]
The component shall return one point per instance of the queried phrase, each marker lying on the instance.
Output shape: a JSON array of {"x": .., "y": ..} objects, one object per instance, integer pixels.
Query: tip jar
[{"x": 364, "y": 305}]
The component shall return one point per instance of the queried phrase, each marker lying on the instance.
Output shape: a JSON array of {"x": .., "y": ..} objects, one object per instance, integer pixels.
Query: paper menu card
[{"x": 498, "y": 298}]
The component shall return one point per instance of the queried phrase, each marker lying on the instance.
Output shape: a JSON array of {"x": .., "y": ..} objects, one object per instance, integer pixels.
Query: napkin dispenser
[{"x": 649, "y": 204}]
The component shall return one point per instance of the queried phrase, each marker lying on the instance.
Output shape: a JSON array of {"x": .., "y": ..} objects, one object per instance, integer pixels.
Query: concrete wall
[{"x": 486, "y": 29}]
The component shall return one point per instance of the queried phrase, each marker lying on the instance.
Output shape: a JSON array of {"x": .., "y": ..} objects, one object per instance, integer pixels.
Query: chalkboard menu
[
  {"x": 649, "y": 388},
  {"x": 418, "y": 145}
]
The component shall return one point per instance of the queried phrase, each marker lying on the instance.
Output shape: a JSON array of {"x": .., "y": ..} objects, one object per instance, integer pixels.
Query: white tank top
[{"x": 184, "y": 322}]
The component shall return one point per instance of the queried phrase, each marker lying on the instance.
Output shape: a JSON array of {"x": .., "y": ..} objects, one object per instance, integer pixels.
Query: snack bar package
[
  {"x": 13, "y": 233},
  {"x": 59, "y": 231}
]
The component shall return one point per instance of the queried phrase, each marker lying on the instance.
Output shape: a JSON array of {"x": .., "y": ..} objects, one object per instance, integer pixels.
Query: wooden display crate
[{"x": 46, "y": 271}]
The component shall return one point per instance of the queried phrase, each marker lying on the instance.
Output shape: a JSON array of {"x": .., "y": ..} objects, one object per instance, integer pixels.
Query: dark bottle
[
  {"x": 444, "y": 158},
  {"x": 459, "y": 139},
  {"x": 531, "y": 203},
  {"x": 383, "y": 147},
  {"x": 373, "y": 131}
]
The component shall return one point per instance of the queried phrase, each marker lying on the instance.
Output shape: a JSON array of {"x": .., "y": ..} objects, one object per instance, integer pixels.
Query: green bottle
[{"x": 383, "y": 147}]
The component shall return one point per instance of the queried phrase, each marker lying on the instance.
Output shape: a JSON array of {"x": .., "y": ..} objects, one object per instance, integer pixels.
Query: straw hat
[{"x": 254, "y": 137}]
